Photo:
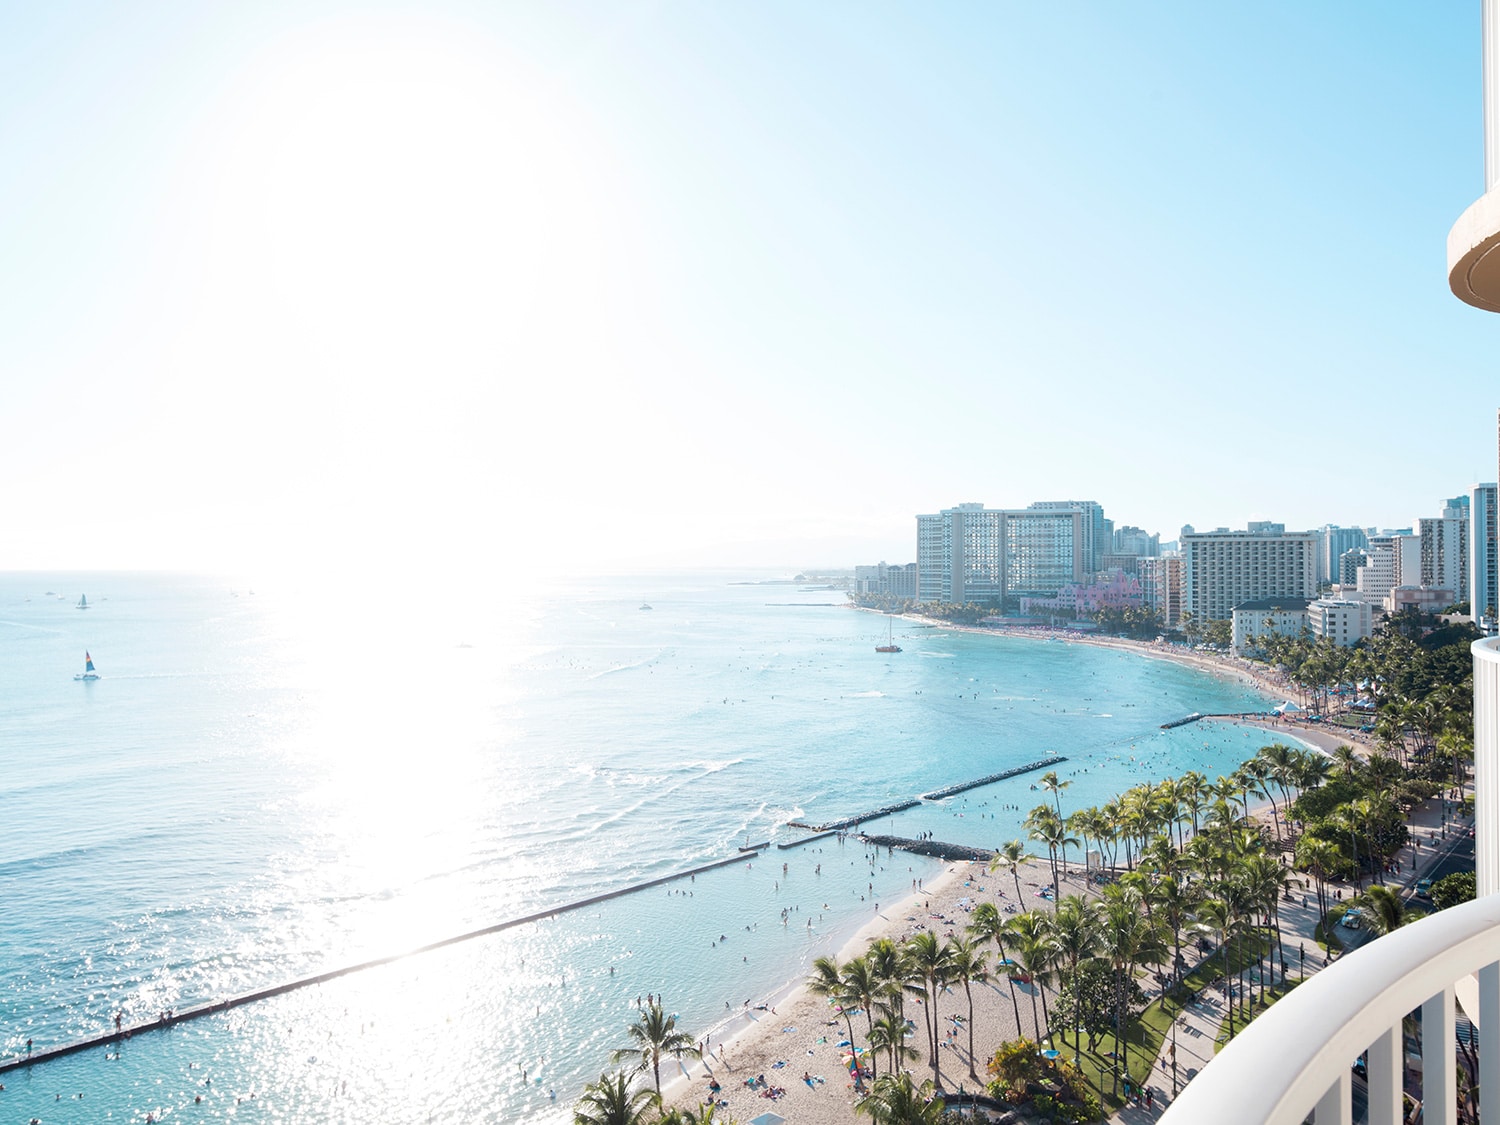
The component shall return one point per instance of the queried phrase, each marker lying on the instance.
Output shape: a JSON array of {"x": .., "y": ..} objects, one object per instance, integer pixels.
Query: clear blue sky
[{"x": 564, "y": 286}]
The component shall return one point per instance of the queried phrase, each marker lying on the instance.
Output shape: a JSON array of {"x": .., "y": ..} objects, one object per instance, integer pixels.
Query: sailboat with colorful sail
[{"x": 88, "y": 672}]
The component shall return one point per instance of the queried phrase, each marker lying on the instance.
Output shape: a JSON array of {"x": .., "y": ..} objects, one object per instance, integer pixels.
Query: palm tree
[
  {"x": 1130, "y": 939},
  {"x": 1032, "y": 944},
  {"x": 1009, "y": 857},
  {"x": 1175, "y": 900},
  {"x": 1046, "y": 828},
  {"x": 1051, "y": 783},
  {"x": 1193, "y": 791},
  {"x": 1215, "y": 916},
  {"x": 1385, "y": 909},
  {"x": 610, "y": 1101},
  {"x": 828, "y": 981},
  {"x": 1345, "y": 760},
  {"x": 889, "y": 1035},
  {"x": 966, "y": 965},
  {"x": 862, "y": 985},
  {"x": 930, "y": 962},
  {"x": 988, "y": 923},
  {"x": 1319, "y": 858},
  {"x": 885, "y": 959},
  {"x": 1266, "y": 879},
  {"x": 1075, "y": 934},
  {"x": 1312, "y": 771},
  {"x": 894, "y": 1100},
  {"x": 653, "y": 1035}
]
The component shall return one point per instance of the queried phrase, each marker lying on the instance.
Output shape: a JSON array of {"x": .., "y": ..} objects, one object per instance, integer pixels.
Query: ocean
[{"x": 268, "y": 783}]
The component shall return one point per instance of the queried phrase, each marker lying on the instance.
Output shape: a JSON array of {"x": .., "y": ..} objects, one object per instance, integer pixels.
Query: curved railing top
[{"x": 1279, "y": 1066}]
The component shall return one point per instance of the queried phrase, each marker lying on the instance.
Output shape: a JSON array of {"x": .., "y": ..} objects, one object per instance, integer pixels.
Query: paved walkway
[{"x": 1198, "y": 1027}]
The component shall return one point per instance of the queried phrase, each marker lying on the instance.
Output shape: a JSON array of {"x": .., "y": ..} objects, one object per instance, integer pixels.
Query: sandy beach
[{"x": 802, "y": 1032}]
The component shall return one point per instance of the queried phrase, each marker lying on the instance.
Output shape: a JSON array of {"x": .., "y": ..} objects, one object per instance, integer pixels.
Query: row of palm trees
[
  {"x": 1419, "y": 694},
  {"x": 1194, "y": 865},
  {"x": 1170, "y": 812},
  {"x": 878, "y": 982}
]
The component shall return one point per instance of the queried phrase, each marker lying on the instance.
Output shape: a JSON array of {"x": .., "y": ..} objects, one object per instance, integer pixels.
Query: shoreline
[{"x": 1222, "y": 665}]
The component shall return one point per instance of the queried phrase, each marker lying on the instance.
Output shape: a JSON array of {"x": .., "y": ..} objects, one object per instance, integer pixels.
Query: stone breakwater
[
  {"x": 935, "y": 795},
  {"x": 934, "y": 848}
]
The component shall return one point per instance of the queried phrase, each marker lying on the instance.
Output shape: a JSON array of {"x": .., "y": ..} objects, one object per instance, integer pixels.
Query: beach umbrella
[{"x": 768, "y": 1119}]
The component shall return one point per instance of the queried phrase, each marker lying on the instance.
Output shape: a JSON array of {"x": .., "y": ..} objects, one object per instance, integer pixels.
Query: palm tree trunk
[
  {"x": 1224, "y": 948},
  {"x": 1036, "y": 1027},
  {"x": 1010, "y": 982},
  {"x": 1119, "y": 1028},
  {"x": 970, "y": 993},
  {"x": 1046, "y": 1019},
  {"x": 936, "y": 1064}
]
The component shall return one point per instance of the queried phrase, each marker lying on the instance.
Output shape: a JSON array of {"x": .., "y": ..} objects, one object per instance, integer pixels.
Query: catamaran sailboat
[
  {"x": 890, "y": 638},
  {"x": 88, "y": 672}
]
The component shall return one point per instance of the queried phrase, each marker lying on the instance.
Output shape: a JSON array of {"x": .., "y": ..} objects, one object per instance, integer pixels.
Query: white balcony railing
[{"x": 1296, "y": 1059}]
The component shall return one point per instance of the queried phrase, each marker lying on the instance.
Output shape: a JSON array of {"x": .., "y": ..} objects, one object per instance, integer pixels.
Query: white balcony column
[
  {"x": 1490, "y": 62},
  {"x": 1489, "y": 1044},
  {"x": 1486, "y": 656},
  {"x": 1439, "y": 1084},
  {"x": 1336, "y": 1106},
  {"x": 1384, "y": 1078}
]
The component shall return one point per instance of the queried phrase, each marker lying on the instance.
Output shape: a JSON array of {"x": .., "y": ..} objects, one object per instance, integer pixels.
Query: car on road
[
  {"x": 1352, "y": 919},
  {"x": 1424, "y": 888}
]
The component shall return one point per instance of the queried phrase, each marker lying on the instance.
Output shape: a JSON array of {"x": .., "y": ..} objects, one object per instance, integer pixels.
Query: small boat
[
  {"x": 83, "y": 601},
  {"x": 88, "y": 672},
  {"x": 890, "y": 638},
  {"x": 645, "y": 605}
]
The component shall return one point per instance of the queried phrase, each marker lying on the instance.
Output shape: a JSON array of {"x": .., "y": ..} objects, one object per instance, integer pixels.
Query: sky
[{"x": 507, "y": 289}]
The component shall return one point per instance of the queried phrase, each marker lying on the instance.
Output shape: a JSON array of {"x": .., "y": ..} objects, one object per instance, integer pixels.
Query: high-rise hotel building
[
  {"x": 996, "y": 556},
  {"x": 1484, "y": 601},
  {"x": 1161, "y": 587},
  {"x": 1223, "y": 569}
]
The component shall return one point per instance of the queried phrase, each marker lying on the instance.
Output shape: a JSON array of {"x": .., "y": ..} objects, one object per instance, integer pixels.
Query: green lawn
[{"x": 1256, "y": 1008}]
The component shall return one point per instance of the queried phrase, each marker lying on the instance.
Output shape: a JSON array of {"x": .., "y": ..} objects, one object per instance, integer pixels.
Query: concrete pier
[{"x": 197, "y": 1011}]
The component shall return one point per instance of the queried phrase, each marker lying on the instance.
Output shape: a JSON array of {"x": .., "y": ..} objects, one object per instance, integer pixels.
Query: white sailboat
[
  {"x": 88, "y": 672},
  {"x": 83, "y": 601}
]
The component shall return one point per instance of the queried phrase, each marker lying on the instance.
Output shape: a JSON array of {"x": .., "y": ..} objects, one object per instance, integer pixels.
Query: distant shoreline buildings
[{"x": 1064, "y": 561}]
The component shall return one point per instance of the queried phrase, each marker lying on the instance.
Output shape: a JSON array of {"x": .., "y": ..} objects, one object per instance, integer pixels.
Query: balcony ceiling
[{"x": 1474, "y": 254}]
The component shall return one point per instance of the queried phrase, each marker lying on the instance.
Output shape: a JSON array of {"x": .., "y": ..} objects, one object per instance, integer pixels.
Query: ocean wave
[
  {"x": 865, "y": 695},
  {"x": 641, "y": 663}
]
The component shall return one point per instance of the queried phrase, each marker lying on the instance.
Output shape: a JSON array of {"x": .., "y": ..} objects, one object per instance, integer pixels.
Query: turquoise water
[{"x": 271, "y": 783}]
